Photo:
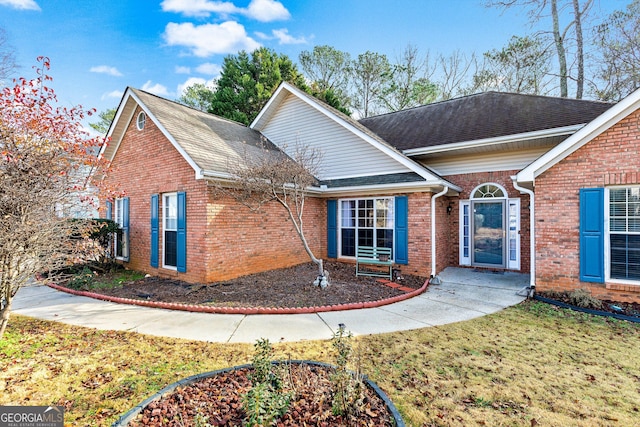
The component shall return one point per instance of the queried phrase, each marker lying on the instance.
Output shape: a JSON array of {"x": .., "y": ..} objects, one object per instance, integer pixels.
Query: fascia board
[
  {"x": 386, "y": 188},
  {"x": 525, "y": 136},
  {"x": 589, "y": 132}
]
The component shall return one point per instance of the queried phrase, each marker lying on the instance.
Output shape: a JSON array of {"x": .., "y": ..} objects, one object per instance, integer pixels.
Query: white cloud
[
  {"x": 283, "y": 37},
  {"x": 117, "y": 94},
  {"x": 210, "y": 39},
  {"x": 260, "y": 10},
  {"x": 21, "y": 4},
  {"x": 267, "y": 11},
  {"x": 105, "y": 69},
  {"x": 199, "y": 8},
  {"x": 209, "y": 69},
  {"x": 156, "y": 89},
  {"x": 183, "y": 70},
  {"x": 194, "y": 80}
]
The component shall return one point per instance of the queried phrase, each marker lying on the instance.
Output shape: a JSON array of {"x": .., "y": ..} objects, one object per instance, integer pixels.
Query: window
[
  {"x": 366, "y": 222},
  {"x": 141, "y": 120},
  {"x": 624, "y": 233},
  {"x": 121, "y": 217},
  {"x": 170, "y": 227}
]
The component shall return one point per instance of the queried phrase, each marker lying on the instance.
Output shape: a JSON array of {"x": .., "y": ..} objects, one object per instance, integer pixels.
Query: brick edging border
[{"x": 243, "y": 310}]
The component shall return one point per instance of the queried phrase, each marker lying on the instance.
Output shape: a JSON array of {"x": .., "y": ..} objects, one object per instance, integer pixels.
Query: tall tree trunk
[
  {"x": 4, "y": 314},
  {"x": 562, "y": 56},
  {"x": 578, "y": 20}
]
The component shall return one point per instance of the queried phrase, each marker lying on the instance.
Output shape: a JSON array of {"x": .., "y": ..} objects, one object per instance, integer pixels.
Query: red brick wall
[
  {"x": 146, "y": 163},
  {"x": 224, "y": 239},
  {"x": 241, "y": 241},
  {"x": 610, "y": 159},
  {"x": 469, "y": 182}
]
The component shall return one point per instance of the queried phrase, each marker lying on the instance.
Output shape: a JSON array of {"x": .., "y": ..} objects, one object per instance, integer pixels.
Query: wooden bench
[{"x": 368, "y": 255}]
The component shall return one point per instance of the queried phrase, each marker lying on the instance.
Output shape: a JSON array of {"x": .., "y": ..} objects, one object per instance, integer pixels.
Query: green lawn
[{"x": 528, "y": 365}]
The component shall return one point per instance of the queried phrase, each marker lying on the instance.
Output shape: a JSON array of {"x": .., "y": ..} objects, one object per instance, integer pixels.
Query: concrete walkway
[{"x": 464, "y": 294}]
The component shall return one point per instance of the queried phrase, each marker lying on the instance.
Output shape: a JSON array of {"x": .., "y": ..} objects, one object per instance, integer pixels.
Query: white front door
[{"x": 490, "y": 230}]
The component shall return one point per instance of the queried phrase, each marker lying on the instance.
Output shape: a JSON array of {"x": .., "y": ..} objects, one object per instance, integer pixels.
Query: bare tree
[
  {"x": 410, "y": 85},
  {"x": 44, "y": 160},
  {"x": 539, "y": 9},
  {"x": 455, "y": 72},
  {"x": 7, "y": 58},
  {"x": 619, "y": 54},
  {"x": 328, "y": 69},
  {"x": 521, "y": 67},
  {"x": 371, "y": 74},
  {"x": 269, "y": 175}
]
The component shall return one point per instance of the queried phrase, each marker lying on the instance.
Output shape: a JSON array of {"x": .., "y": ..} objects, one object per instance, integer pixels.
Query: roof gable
[
  {"x": 585, "y": 135},
  {"x": 480, "y": 117},
  {"x": 210, "y": 144},
  {"x": 350, "y": 150}
]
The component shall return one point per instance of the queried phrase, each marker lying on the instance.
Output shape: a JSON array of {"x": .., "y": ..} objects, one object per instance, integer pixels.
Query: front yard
[{"x": 528, "y": 365}]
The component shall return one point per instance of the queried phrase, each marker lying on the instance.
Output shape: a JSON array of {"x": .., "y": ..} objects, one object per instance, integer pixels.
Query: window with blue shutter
[
  {"x": 592, "y": 234},
  {"x": 109, "y": 214},
  {"x": 332, "y": 229},
  {"x": 402, "y": 230},
  {"x": 181, "y": 258},
  {"x": 155, "y": 222},
  {"x": 125, "y": 229}
]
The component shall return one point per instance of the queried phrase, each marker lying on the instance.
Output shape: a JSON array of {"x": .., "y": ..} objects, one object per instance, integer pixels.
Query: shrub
[
  {"x": 582, "y": 298},
  {"x": 348, "y": 387},
  {"x": 265, "y": 402}
]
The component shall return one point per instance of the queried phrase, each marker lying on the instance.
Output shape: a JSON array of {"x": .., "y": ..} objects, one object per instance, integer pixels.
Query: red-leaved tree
[{"x": 46, "y": 164}]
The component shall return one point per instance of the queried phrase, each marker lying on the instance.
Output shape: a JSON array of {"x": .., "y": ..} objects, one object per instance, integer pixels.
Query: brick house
[{"x": 456, "y": 183}]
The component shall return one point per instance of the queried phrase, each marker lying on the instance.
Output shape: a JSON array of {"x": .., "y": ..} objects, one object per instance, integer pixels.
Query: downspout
[
  {"x": 434, "y": 278},
  {"x": 532, "y": 237}
]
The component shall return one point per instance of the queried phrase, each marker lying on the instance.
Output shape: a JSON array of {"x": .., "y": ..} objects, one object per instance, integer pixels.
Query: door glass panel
[{"x": 488, "y": 235}]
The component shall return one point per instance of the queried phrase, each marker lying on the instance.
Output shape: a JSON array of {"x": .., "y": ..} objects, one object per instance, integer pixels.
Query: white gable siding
[
  {"x": 344, "y": 154},
  {"x": 500, "y": 161}
]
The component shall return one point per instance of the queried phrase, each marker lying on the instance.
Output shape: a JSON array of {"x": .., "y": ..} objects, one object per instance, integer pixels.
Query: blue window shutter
[
  {"x": 402, "y": 230},
  {"x": 181, "y": 260},
  {"x": 109, "y": 210},
  {"x": 332, "y": 228},
  {"x": 125, "y": 227},
  {"x": 154, "y": 230},
  {"x": 592, "y": 235}
]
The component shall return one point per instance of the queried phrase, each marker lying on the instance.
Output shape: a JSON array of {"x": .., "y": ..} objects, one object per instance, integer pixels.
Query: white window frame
[
  {"x": 391, "y": 201},
  {"x": 165, "y": 228},
  {"x": 141, "y": 120},
  {"x": 607, "y": 237},
  {"x": 118, "y": 218},
  {"x": 465, "y": 228}
]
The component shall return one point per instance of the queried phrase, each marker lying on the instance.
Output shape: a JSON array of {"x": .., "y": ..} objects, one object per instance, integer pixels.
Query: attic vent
[{"x": 141, "y": 120}]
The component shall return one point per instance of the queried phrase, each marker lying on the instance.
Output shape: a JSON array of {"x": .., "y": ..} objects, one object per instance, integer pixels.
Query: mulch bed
[
  {"x": 290, "y": 287},
  {"x": 218, "y": 400}
]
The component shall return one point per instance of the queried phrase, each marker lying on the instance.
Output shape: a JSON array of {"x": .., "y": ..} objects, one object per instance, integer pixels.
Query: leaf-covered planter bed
[
  {"x": 608, "y": 313},
  {"x": 216, "y": 398}
]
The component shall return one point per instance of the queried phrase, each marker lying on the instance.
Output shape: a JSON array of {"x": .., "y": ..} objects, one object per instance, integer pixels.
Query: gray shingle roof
[
  {"x": 480, "y": 116},
  {"x": 213, "y": 143}
]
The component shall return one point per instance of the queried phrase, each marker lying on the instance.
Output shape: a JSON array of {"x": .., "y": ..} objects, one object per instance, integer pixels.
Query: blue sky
[{"x": 98, "y": 48}]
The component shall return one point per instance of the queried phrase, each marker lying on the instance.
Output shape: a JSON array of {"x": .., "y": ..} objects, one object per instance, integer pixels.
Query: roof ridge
[{"x": 490, "y": 92}]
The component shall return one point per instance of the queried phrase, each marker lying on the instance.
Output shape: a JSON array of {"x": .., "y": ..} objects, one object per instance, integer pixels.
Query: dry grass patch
[{"x": 527, "y": 365}]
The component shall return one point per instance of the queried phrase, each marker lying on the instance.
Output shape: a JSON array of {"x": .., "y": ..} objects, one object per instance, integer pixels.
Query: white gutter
[
  {"x": 525, "y": 136},
  {"x": 433, "y": 229},
  {"x": 532, "y": 235}
]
